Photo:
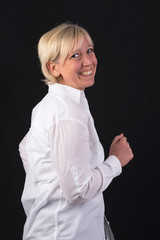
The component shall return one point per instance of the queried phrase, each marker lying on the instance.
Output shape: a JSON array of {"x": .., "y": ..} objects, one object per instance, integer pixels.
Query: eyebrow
[{"x": 79, "y": 49}]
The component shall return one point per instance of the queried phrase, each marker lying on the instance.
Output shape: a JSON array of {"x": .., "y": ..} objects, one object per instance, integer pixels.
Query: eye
[
  {"x": 90, "y": 50},
  {"x": 76, "y": 55}
]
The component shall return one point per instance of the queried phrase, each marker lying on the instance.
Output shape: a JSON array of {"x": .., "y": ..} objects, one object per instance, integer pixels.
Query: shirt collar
[{"x": 73, "y": 94}]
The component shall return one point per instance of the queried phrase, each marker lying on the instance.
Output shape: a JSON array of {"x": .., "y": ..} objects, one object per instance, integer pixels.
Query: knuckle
[
  {"x": 124, "y": 139},
  {"x": 123, "y": 143},
  {"x": 131, "y": 155}
]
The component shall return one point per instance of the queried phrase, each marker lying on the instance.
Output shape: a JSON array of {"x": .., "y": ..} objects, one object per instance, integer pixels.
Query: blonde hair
[{"x": 58, "y": 43}]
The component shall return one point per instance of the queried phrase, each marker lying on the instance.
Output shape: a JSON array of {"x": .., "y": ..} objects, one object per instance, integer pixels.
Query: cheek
[
  {"x": 75, "y": 68},
  {"x": 95, "y": 60},
  {"x": 69, "y": 71}
]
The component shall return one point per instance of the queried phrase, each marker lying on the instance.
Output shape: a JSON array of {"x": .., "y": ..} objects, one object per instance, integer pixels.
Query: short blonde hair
[{"x": 58, "y": 43}]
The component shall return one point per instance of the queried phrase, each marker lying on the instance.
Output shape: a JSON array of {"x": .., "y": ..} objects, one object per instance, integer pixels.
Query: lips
[{"x": 86, "y": 73}]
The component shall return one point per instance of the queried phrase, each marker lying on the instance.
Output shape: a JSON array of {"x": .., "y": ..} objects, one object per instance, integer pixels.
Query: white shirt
[{"x": 65, "y": 170}]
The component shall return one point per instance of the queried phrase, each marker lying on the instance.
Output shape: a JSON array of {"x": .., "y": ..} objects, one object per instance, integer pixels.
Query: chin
[{"x": 89, "y": 84}]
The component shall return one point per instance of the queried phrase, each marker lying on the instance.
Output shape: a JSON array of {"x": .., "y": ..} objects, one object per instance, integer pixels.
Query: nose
[{"x": 87, "y": 60}]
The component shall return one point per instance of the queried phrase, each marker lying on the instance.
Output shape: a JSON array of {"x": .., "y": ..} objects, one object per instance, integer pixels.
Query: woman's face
[{"x": 79, "y": 68}]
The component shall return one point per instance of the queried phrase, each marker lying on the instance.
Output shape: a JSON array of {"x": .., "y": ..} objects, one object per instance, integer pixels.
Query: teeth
[{"x": 86, "y": 73}]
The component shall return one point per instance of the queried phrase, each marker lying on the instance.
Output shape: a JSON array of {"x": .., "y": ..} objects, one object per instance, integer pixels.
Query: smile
[{"x": 86, "y": 73}]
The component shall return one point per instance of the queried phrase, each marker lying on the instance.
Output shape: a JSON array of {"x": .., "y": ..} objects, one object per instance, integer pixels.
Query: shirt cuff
[
  {"x": 110, "y": 169},
  {"x": 113, "y": 162}
]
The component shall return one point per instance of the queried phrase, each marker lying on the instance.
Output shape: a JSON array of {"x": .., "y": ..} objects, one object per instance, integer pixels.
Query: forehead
[
  {"x": 83, "y": 43},
  {"x": 82, "y": 38},
  {"x": 74, "y": 43}
]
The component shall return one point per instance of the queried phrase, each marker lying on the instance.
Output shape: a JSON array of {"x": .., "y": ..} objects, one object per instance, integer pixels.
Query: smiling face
[{"x": 79, "y": 68}]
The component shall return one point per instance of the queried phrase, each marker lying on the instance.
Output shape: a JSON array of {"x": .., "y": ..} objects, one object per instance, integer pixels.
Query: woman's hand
[{"x": 121, "y": 149}]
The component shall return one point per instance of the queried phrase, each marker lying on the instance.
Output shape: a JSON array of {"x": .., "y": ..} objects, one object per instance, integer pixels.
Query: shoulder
[
  {"x": 53, "y": 108},
  {"x": 48, "y": 111}
]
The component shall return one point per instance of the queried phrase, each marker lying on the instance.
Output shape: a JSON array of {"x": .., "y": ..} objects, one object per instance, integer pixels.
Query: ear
[{"x": 52, "y": 66}]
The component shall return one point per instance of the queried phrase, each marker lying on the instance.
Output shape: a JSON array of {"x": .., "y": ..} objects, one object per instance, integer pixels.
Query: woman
[{"x": 66, "y": 173}]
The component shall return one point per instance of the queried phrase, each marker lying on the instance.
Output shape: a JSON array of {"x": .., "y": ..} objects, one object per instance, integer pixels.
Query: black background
[{"x": 124, "y": 99}]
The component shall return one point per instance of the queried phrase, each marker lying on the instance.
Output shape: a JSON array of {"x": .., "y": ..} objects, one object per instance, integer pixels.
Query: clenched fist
[{"x": 121, "y": 149}]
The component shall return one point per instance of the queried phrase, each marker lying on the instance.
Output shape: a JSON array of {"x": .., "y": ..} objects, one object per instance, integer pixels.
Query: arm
[{"x": 71, "y": 155}]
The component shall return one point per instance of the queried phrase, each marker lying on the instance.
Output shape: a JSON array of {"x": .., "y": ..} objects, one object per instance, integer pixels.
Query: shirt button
[{"x": 73, "y": 170}]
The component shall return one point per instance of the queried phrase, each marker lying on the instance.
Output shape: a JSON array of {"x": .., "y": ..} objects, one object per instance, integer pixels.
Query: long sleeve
[{"x": 71, "y": 153}]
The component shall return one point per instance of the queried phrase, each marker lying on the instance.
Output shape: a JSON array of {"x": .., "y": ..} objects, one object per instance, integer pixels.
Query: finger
[
  {"x": 117, "y": 138},
  {"x": 123, "y": 139}
]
